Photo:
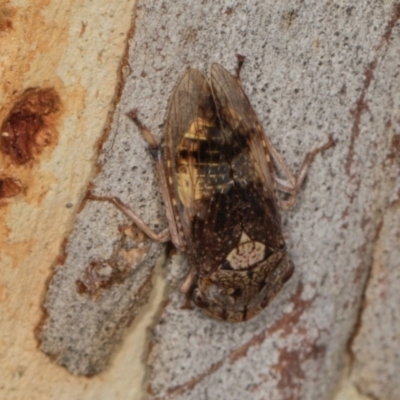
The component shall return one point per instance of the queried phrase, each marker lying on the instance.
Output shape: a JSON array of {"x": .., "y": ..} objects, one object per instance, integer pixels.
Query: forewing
[
  {"x": 252, "y": 171},
  {"x": 192, "y": 111}
]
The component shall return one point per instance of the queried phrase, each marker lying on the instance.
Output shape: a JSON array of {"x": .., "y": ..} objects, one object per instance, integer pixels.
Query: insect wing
[
  {"x": 252, "y": 171},
  {"x": 235, "y": 111},
  {"x": 191, "y": 114}
]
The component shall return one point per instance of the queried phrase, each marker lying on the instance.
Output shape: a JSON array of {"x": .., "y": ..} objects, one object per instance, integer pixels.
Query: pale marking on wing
[
  {"x": 188, "y": 187},
  {"x": 247, "y": 253},
  {"x": 197, "y": 163},
  {"x": 199, "y": 135},
  {"x": 198, "y": 129}
]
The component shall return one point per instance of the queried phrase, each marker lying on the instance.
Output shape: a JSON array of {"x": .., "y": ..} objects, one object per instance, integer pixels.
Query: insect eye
[{"x": 199, "y": 300}]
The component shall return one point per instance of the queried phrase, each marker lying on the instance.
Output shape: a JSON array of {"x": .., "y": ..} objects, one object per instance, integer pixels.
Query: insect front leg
[
  {"x": 156, "y": 153},
  {"x": 292, "y": 184},
  {"x": 239, "y": 65},
  {"x": 173, "y": 229}
]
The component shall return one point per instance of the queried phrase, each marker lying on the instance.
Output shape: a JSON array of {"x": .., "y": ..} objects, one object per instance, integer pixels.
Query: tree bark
[{"x": 80, "y": 286}]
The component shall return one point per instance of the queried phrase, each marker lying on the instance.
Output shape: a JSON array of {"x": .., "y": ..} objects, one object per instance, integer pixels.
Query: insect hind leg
[
  {"x": 163, "y": 236},
  {"x": 292, "y": 184}
]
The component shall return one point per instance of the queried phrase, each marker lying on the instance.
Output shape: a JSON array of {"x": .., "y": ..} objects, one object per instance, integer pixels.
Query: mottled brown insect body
[
  {"x": 223, "y": 196},
  {"x": 219, "y": 188}
]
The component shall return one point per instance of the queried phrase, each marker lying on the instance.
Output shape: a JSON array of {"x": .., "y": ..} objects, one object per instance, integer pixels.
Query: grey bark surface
[{"x": 312, "y": 69}]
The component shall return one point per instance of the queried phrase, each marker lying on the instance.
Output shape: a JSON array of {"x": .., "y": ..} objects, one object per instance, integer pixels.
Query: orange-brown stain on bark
[
  {"x": 103, "y": 274},
  {"x": 27, "y": 136},
  {"x": 30, "y": 125},
  {"x": 7, "y": 14},
  {"x": 9, "y": 187},
  {"x": 286, "y": 325}
]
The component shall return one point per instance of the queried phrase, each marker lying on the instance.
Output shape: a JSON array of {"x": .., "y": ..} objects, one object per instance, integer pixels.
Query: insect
[{"x": 220, "y": 191}]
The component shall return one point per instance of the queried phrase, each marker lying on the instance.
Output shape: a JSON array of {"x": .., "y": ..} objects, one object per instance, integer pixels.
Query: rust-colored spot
[
  {"x": 396, "y": 143},
  {"x": 394, "y": 153},
  {"x": 289, "y": 368},
  {"x": 132, "y": 232},
  {"x": 6, "y": 16},
  {"x": 150, "y": 390},
  {"x": 102, "y": 274},
  {"x": 361, "y": 104},
  {"x": 285, "y": 324},
  {"x": 29, "y": 126},
  {"x": 9, "y": 187},
  {"x": 392, "y": 23},
  {"x": 180, "y": 389},
  {"x": 96, "y": 276}
]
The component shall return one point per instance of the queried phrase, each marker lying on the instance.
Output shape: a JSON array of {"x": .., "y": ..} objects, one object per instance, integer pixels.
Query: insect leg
[
  {"x": 163, "y": 236},
  {"x": 240, "y": 61},
  {"x": 173, "y": 230},
  {"x": 292, "y": 184},
  {"x": 187, "y": 283},
  {"x": 155, "y": 151}
]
